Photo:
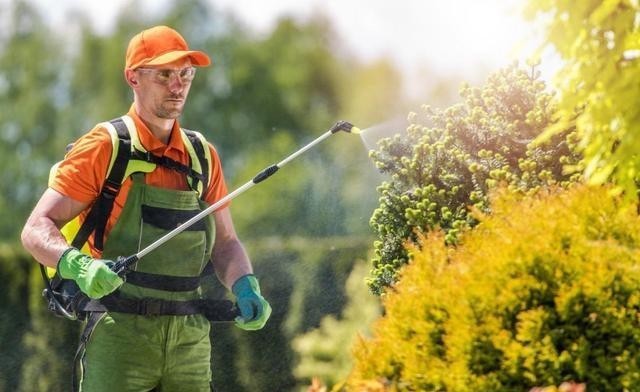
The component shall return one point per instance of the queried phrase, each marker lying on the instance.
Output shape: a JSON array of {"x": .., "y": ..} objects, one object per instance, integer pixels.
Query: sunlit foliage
[
  {"x": 543, "y": 290},
  {"x": 599, "y": 43},
  {"x": 449, "y": 159}
]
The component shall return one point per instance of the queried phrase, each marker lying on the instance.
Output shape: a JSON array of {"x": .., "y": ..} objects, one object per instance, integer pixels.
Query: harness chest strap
[{"x": 96, "y": 219}]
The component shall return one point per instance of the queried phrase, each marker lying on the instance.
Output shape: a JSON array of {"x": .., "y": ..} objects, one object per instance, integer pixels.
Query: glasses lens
[
  {"x": 163, "y": 76},
  {"x": 187, "y": 74}
]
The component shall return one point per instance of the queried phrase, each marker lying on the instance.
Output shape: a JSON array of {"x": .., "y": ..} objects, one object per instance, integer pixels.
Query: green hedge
[{"x": 37, "y": 348}]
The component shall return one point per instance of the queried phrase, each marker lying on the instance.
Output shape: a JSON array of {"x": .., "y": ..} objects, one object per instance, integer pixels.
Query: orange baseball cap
[{"x": 161, "y": 45}]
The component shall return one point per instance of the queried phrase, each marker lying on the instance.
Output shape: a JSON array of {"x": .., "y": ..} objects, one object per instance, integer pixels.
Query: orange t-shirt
[{"x": 83, "y": 171}]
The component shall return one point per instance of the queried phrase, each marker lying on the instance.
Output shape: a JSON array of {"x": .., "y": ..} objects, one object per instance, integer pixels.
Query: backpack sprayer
[
  {"x": 65, "y": 300},
  {"x": 123, "y": 263}
]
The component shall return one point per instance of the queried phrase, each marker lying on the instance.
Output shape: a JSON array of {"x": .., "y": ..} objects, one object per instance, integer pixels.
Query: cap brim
[{"x": 198, "y": 59}]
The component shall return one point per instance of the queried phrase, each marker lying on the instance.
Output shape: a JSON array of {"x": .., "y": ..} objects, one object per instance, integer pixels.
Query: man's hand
[
  {"x": 93, "y": 276},
  {"x": 254, "y": 309}
]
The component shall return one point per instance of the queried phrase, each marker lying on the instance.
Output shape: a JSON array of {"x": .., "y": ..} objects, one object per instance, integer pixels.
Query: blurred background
[{"x": 284, "y": 72}]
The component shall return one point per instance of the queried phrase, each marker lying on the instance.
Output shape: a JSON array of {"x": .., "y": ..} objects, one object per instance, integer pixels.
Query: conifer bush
[
  {"x": 449, "y": 159},
  {"x": 544, "y": 290}
]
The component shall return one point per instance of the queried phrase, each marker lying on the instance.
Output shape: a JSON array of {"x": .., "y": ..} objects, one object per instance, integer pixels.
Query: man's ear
[{"x": 131, "y": 77}]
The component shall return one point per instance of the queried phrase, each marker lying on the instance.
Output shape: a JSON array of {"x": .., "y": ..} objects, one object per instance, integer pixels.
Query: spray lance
[{"x": 122, "y": 264}]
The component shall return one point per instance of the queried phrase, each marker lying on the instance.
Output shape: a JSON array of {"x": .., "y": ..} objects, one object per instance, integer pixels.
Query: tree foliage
[
  {"x": 29, "y": 112},
  {"x": 599, "y": 42},
  {"x": 36, "y": 354},
  {"x": 449, "y": 160},
  {"x": 258, "y": 87},
  {"x": 542, "y": 291}
]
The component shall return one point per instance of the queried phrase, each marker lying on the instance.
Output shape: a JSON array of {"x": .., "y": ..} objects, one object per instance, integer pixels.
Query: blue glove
[{"x": 254, "y": 309}]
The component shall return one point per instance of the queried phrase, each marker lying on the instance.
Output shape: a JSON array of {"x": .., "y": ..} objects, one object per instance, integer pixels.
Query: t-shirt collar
[{"x": 153, "y": 144}]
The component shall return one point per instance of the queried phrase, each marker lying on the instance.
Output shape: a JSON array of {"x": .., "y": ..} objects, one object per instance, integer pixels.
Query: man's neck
[{"x": 159, "y": 127}]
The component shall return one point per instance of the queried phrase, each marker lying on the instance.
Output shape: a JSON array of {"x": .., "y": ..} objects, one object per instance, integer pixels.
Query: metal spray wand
[{"x": 123, "y": 263}]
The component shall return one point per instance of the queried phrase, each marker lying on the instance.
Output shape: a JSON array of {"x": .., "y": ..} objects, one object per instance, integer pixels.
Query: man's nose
[{"x": 175, "y": 83}]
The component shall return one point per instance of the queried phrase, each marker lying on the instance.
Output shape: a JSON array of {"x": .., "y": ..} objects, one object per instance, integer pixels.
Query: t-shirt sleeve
[
  {"x": 218, "y": 187},
  {"x": 82, "y": 172}
]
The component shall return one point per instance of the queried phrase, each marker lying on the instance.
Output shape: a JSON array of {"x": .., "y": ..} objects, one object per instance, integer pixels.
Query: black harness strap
[
  {"x": 168, "y": 163},
  {"x": 213, "y": 310},
  {"x": 101, "y": 210}
]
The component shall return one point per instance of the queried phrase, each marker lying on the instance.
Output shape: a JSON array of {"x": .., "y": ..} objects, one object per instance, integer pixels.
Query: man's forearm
[
  {"x": 230, "y": 261},
  {"x": 43, "y": 240},
  {"x": 41, "y": 234}
]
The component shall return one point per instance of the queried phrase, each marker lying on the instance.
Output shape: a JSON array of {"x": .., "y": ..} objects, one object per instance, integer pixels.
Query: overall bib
[{"x": 129, "y": 352}]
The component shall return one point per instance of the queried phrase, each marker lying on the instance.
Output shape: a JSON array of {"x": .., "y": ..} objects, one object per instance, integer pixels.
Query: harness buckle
[{"x": 110, "y": 189}]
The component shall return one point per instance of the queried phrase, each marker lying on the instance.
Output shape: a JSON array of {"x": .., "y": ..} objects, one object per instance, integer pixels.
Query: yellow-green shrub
[{"x": 543, "y": 290}]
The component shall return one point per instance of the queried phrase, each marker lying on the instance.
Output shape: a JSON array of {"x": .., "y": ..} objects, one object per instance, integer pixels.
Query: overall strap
[{"x": 97, "y": 218}]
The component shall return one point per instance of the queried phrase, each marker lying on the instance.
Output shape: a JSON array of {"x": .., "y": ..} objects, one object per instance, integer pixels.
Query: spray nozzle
[{"x": 344, "y": 126}]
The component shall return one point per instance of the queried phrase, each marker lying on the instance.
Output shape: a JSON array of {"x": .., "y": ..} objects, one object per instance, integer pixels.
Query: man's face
[{"x": 162, "y": 90}]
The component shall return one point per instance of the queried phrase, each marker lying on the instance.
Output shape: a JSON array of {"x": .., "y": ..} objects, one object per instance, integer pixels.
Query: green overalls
[{"x": 129, "y": 352}]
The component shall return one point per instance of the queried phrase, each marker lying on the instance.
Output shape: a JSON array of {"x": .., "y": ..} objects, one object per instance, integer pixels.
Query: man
[{"x": 141, "y": 352}]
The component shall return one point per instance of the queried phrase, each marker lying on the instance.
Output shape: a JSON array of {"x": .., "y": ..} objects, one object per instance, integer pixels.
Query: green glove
[
  {"x": 93, "y": 276},
  {"x": 254, "y": 309}
]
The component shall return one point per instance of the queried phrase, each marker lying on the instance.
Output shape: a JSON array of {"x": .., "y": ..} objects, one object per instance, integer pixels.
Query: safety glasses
[{"x": 163, "y": 76}]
